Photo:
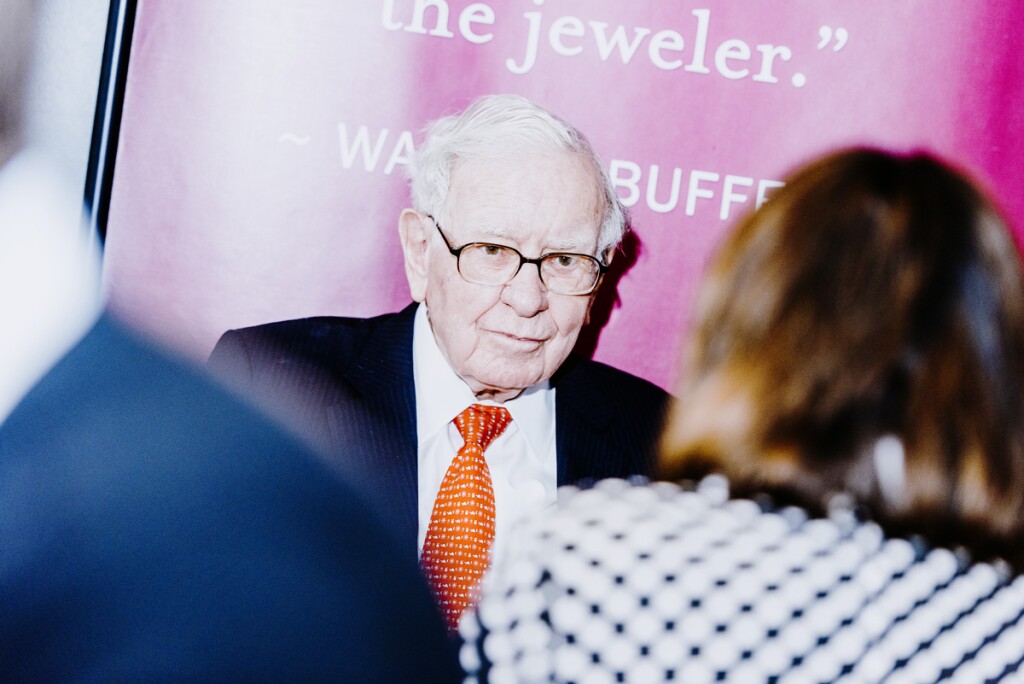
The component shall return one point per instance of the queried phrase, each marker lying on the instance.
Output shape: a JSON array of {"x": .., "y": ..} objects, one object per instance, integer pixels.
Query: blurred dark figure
[
  {"x": 152, "y": 528},
  {"x": 849, "y": 437}
]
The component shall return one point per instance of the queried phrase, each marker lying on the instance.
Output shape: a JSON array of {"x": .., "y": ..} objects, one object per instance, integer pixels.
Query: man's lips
[{"x": 525, "y": 340}]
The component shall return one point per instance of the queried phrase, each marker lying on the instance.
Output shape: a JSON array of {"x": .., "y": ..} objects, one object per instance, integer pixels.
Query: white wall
[{"x": 62, "y": 88}]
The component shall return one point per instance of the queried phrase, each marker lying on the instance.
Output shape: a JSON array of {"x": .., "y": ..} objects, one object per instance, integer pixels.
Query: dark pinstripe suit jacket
[
  {"x": 155, "y": 529},
  {"x": 353, "y": 379}
]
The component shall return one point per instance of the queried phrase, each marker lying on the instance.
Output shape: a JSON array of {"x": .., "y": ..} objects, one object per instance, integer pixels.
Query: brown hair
[
  {"x": 17, "y": 30},
  {"x": 873, "y": 295}
]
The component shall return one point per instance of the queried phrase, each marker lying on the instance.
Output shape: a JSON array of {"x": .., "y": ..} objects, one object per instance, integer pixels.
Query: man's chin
[{"x": 504, "y": 387}]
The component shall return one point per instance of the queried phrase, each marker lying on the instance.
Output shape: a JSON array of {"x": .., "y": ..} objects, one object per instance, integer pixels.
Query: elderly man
[{"x": 473, "y": 395}]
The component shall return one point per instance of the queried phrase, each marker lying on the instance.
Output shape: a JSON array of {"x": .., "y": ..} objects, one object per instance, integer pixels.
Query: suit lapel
[
  {"x": 377, "y": 423},
  {"x": 583, "y": 415}
]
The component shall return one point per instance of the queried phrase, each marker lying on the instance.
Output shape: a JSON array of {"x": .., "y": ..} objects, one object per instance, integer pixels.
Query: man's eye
[
  {"x": 493, "y": 250},
  {"x": 565, "y": 261}
]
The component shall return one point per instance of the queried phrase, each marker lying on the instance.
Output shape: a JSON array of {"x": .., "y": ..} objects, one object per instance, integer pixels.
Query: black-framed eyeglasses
[{"x": 564, "y": 273}]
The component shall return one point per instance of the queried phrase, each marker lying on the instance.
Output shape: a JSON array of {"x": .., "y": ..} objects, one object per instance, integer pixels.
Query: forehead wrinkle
[
  {"x": 512, "y": 206},
  {"x": 574, "y": 230}
]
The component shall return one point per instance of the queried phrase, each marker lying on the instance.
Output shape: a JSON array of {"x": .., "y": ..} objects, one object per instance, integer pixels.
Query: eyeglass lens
[{"x": 488, "y": 264}]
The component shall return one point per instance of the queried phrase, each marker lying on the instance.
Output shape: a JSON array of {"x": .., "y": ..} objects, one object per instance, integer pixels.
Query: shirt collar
[{"x": 533, "y": 411}]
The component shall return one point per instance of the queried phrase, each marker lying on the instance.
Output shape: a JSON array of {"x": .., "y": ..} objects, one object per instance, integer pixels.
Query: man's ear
[
  {"x": 606, "y": 259},
  {"x": 412, "y": 230}
]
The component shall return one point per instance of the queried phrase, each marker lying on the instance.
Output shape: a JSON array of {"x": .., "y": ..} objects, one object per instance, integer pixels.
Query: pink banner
[{"x": 259, "y": 175}]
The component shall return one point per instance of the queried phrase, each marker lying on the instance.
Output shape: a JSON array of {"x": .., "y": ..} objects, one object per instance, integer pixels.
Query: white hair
[{"x": 497, "y": 125}]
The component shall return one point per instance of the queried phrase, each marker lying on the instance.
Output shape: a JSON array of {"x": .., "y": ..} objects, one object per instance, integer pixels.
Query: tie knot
[{"x": 481, "y": 425}]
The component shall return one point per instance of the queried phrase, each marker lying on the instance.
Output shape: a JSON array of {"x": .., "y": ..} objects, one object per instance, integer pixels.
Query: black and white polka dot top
[{"x": 657, "y": 582}]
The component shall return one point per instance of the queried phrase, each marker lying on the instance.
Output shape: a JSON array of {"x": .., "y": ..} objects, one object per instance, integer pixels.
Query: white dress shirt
[
  {"x": 522, "y": 460},
  {"x": 49, "y": 274}
]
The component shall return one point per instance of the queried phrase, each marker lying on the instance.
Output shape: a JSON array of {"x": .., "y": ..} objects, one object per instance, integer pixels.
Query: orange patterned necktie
[{"x": 457, "y": 550}]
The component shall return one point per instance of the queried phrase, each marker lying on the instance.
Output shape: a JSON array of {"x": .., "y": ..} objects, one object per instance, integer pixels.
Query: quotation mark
[
  {"x": 294, "y": 139},
  {"x": 827, "y": 34}
]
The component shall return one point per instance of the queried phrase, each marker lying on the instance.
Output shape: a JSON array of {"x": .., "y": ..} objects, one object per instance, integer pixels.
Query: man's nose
[{"x": 526, "y": 293}]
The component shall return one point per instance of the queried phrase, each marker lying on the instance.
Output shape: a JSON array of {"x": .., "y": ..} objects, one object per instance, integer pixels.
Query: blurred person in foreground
[
  {"x": 152, "y": 528},
  {"x": 849, "y": 436},
  {"x": 514, "y": 225}
]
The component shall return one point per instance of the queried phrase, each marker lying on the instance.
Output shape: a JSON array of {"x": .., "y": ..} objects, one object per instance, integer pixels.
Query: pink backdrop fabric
[{"x": 260, "y": 170}]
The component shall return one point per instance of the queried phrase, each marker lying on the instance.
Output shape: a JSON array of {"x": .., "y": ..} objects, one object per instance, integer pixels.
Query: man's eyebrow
[
  {"x": 577, "y": 244},
  {"x": 567, "y": 246}
]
